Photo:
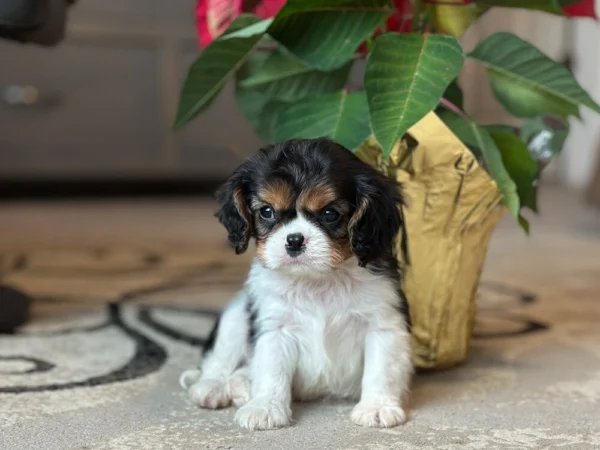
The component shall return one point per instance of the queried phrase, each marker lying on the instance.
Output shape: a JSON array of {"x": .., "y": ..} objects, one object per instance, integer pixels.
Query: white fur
[
  {"x": 316, "y": 256},
  {"x": 324, "y": 331},
  {"x": 223, "y": 378}
]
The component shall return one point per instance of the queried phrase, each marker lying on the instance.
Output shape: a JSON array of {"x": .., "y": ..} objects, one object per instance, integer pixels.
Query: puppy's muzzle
[{"x": 295, "y": 244}]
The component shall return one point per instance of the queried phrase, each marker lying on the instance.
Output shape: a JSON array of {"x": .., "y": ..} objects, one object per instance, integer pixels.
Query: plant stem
[
  {"x": 416, "y": 16},
  {"x": 266, "y": 47},
  {"x": 455, "y": 109}
]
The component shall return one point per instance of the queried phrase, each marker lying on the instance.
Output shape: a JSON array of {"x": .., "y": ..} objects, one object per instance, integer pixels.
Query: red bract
[
  {"x": 585, "y": 8},
  {"x": 214, "y": 16},
  {"x": 268, "y": 8},
  {"x": 399, "y": 22}
]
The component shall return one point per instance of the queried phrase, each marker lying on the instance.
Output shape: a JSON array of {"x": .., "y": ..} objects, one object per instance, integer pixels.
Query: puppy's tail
[{"x": 189, "y": 377}]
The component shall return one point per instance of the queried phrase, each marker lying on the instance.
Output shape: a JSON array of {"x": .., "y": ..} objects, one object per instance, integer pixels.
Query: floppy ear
[
  {"x": 234, "y": 212},
  {"x": 377, "y": 217}
]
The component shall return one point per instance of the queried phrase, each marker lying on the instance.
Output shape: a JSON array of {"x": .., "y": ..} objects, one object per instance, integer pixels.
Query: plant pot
[{"x": 452, "y": 208}]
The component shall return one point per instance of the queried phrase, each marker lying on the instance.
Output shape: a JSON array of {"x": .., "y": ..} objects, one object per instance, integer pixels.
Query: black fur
[
  {"x": 251, "y": 315},
  {"x": 235, "y": 217},
  {"x": 305, "y": 163},
  {"x": 375, "y": 230},
  {"x": 370, "y": 201}
]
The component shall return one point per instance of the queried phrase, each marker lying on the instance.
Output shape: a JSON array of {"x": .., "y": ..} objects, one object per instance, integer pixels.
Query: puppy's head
[{"x": 310, "y": 205}]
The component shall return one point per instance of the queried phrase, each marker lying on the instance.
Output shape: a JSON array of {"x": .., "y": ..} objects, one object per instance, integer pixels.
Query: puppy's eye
[
  {"x": 330, "y": 216},
  {"x": 267, "y": 213}
]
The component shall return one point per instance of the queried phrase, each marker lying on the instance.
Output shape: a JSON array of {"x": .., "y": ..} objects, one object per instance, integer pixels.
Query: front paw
[
  {"x": 264, "y": 414},
  {"x": 238, "y": 388},
  {"x": 378, "y": 414},
  {"x": 209, "y": 393}
]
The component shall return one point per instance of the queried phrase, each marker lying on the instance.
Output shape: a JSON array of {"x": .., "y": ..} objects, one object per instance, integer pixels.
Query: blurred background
[
  {"x": 113, "y": 268},
  {"x": 95, "y": 111}
]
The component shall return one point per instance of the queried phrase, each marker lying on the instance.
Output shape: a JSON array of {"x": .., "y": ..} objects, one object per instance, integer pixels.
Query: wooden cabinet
[{"x": 101, "y": 104}]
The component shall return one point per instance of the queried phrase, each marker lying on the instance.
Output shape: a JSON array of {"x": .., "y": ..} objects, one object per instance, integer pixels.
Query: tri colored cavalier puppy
[{"x": 322, "y": 312}]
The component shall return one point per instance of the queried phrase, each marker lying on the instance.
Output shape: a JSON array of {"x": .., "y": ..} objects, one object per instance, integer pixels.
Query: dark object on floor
[
  {"x": 40, "y": 22},
  {"x": 14, "y": 309}
]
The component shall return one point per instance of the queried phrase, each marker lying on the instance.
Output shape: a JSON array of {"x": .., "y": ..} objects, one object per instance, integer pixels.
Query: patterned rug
[{"x": 115, "y": 323}]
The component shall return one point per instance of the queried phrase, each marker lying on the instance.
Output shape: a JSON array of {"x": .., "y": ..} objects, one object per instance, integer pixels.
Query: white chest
[
  {"x": 330, "y": 355},
  {"x": 327, "y": 319}
]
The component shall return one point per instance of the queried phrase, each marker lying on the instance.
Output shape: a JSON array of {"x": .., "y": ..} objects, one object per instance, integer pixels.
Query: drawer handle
[
  {"x": 15, "y": 95},
  {"x": 27, "y": 96}
]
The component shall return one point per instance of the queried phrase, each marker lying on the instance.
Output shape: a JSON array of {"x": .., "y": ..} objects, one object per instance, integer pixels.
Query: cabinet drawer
[{"x": 89, "y": 109}]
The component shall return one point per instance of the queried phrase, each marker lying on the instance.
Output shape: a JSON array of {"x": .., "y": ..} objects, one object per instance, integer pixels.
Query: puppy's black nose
[{"x": 295, "y": 243}]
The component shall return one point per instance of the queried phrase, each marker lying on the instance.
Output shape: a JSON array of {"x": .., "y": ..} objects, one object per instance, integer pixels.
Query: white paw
[
  {"x": 263, "y": 414},
  {"x": 209, "y": 393},
  {"x": 378, "y": 415},
  {"x": 238, "y": 388}
]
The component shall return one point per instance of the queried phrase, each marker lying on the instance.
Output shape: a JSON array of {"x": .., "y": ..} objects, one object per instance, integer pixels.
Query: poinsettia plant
[{"x": 291, "y": 62}]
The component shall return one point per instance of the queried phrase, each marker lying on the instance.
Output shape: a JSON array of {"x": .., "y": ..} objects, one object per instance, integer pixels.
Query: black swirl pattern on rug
[
  {"x": 149, "y": 356},
  {"x": 39, "y": 365},
  {"x": 145, "y": 316}
]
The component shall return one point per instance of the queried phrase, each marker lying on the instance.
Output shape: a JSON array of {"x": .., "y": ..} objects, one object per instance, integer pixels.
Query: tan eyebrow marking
[
  {"x": 278, "y": 194},
  {"x": 317, "y": 197}
]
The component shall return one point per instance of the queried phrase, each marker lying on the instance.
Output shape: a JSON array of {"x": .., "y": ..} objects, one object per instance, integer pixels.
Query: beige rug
[{"x": 125, "y": 292}]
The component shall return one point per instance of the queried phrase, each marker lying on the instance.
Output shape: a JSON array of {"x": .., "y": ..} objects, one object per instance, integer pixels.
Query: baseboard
[{"x": 99, "y": 189}]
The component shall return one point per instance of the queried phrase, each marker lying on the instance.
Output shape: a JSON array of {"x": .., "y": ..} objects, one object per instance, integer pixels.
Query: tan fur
[
  {"x": 317, "y": 197},
  {"x": 363, "y": 205},
  {"x": 242, "y": 209},
  {"x": 341, "y": 250},
  {"x": 278, "y": 195},
  {"x": 260, "y": 249}
]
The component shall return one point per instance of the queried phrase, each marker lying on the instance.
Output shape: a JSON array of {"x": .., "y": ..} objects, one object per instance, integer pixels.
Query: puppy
[{"x": 322, "y": 312}]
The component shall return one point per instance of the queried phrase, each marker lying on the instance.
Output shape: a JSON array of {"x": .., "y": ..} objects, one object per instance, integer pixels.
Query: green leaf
[
  {"x": 521, "y": 167},
  {"x": 477, "y": 137},
  {"x": 405, "y": 78},
  {"x": 527, "y": 82},
  {"x": 462, "y": 129},
  {"x": 342, "y": 117},
  {"x": 524, "y": 224},
  {"x": 258, "y": 28},
  {"x": 545, "y": 137},
  {"x": 211, "y": 70},
  {"x": 454, "y": 94},
  {"x": 252, "y": 102},
  {"x": 259, "y": 110},
  {"x": 269, "y": 81},
  {"x": 286, "y": 78},
  {"x": 326, "y": 33},
  {"x": 495, "y": 166},
  {"x": 501, "y": 127}
]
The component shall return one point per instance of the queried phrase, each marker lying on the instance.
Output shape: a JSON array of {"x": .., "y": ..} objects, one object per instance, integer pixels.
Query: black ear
[
  {"x": 377, "y": 217},
  {"x": 234, "y": 212}
]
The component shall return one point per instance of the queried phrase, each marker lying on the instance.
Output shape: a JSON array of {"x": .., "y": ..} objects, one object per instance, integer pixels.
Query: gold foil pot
[{"x": 452, "y": 208}]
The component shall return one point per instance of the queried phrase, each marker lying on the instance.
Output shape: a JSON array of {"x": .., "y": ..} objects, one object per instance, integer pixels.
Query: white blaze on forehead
[{"x": 317, "y": 252}]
